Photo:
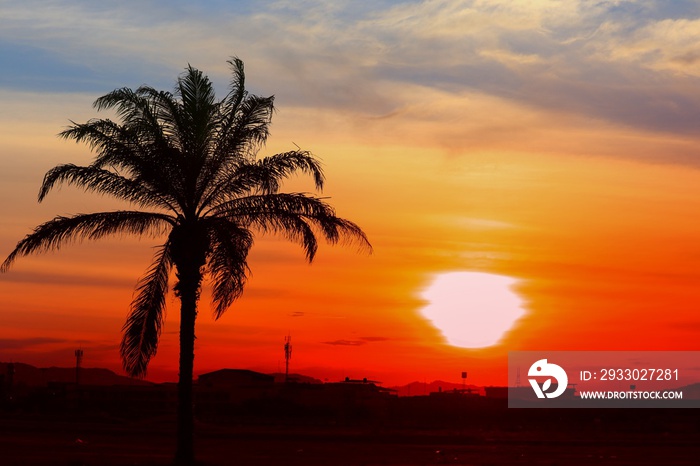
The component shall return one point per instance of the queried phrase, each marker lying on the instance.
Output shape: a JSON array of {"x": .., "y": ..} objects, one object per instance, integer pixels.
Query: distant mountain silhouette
[
  {"x": 296, "y": 378},
  {"x": 423, "y": 388},
  {"x": 31, "y": 376},
  {"x": 690, "y": 392}
]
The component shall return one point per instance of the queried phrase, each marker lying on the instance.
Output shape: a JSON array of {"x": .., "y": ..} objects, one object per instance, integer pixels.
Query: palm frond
[
  {"x": 252, "y": 124},
  {"x": 275, "y": 168},
  {"x": 295, "y": 203},
  {"x": 143, "y": 326},
  {"x": 123, "y": 100},
  {"x": 136, "y": 113},
  {"x": 228, "y": 266},
  {"x": 146, "y": 158},
  {"x": 264, "y": 176},
  {"x": 196, "y": 91},
  {"x": 60, "y": 230},
  {"x": 238, "y": 138},
  {"x": 293, "y": 215},
  {"x": 293, "y": 227},
  {"x": 197, "y": 101},
  {"x": 237, "y": 91},
  {"x": 166, "y": 113},
  {"x": 134, "y": 108},
  {"x": 147, "y": 120},
  {"x": 103, "y": 135},
  {"x": 241, "y": 134},
  {"x": 104, "y": 182},
  {"x": 228, "y": 114}
]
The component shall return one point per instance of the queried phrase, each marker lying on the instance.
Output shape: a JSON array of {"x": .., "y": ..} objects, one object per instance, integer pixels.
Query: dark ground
[{"x": 672, "y": 439}]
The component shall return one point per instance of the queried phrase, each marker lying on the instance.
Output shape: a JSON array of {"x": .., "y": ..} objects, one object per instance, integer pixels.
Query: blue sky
[{"x": 634, "y": 63}]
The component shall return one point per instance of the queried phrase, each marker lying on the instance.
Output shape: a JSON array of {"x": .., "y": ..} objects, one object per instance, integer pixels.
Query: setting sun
[{"x": 472, "y": 309}]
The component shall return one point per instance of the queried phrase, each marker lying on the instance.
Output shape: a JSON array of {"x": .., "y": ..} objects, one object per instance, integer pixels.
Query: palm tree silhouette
[{"x": 188, "y": 163}]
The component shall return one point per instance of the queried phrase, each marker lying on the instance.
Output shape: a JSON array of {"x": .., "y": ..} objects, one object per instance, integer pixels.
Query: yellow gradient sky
[{"x": 556, "y": 143}]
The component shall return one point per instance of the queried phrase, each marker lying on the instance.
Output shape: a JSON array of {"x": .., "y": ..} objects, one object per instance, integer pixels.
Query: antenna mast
[
  {"x": 78, "y": 361},
  {"x": 287, "y": 356}
]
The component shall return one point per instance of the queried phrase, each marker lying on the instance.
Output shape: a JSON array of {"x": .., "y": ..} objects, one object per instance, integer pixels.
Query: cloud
[
  {"x": 482, "y": 223},
  {"x": 359, "y": 342},
  {"x": 345, "y": 343},
  {"x": 20, "y": 276},
  {"x": 23, "y": 343},
  {"x": 628, "y": 63}
]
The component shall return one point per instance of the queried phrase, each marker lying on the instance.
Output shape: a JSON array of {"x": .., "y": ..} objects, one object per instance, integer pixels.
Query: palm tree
[{"x": 187, "y": 164}]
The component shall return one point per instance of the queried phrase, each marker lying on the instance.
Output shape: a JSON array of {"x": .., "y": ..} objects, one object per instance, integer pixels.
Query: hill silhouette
[
  {"x": 691, "y": 391},
  {"x": 424, "y": 388},
  {"x": 28, "y": 375},
  {"x": 31, "y": 376},
  {"x": 296, "y": 378}
]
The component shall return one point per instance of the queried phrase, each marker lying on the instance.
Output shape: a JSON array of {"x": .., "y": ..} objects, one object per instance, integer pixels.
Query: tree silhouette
[{"x": 187, "y": 164}]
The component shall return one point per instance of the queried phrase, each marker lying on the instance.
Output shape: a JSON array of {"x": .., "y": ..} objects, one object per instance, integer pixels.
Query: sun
[{"x": 472, "y": 309}]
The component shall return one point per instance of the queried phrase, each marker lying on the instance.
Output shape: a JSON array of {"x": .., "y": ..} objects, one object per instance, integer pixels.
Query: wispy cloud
[
  {"x": 359, "y": 342},
  {"x": 345, "y": 343},
  {"x": 628, "y": 63},
  {"x": 23, "y": 343},
  {"x": 67, "y": 279}
]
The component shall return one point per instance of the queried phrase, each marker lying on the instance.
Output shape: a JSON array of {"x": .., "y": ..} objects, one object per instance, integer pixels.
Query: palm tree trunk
[
  {"x": 190, "y": 277},
  {"x": 185, "y": 408}
]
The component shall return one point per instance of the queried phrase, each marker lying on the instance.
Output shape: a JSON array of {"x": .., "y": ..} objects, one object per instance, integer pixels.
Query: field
[{"x": 54, "y": 441}]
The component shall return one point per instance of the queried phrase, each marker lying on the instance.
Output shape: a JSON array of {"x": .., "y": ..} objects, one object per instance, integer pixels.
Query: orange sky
[{"x": 593, "y": 208}]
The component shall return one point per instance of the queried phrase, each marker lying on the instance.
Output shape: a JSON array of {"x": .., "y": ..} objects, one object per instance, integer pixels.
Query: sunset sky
[{"x": 556, "y": 143}]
